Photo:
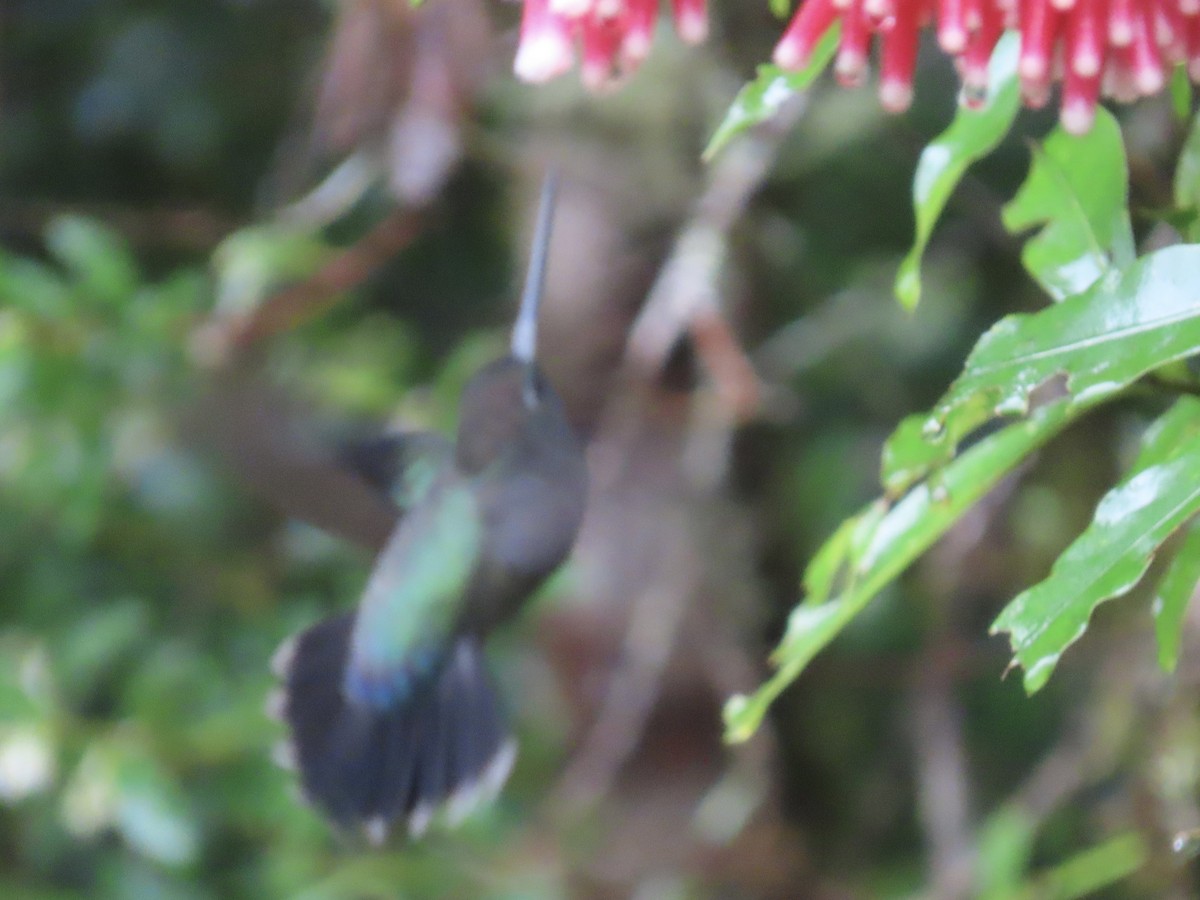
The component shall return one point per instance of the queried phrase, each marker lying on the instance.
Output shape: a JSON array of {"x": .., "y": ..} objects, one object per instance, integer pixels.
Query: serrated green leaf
[
  {"x": 973, "y": 134},
  {"x": 1160, "y": 494},
  {"x": 1187, "y": 180},
  {"x": 761, "y": 98},
  {"x": 1077, "y": 188},
  {"x": 1102, "y": 340},
  {"x": 890, "y": 542}
]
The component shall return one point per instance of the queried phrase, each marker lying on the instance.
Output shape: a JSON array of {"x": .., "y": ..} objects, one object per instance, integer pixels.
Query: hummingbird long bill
[{"x": 392, "y": 716}]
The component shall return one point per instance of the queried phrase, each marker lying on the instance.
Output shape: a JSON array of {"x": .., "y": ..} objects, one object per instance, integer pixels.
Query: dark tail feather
[{"x": 446, "y": 747}]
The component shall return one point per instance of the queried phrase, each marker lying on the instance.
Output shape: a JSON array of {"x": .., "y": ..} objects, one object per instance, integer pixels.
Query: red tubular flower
[
  {"x": 812, "y": 20},
  {"x": 1116, "y": 48},
  {"x": 546, "y": 47},
  {"x": 973, "y": 63},
  {"x": 953, "y": 30},
  {"x": 899, "y": 56},
  {"x": 614, "y": 36},
  {"x": 639, "y": 32},
  {"x": 691, "y": 20},
  {"x": 600, "y": 39},
  {"x": 852, "y": 57}
]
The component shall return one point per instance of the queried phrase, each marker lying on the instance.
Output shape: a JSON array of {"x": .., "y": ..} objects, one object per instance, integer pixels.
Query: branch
[
  {"x": 685, "y": 300},
  {"x": 297, "y": 303}
]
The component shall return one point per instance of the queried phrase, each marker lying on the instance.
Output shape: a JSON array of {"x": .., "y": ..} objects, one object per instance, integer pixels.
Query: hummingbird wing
[
  {"x": 403, "y": 466},
  {"x": 357, "y": 491},
  {"x": 414, "y": 596},
  {"x": 254, "y": 429}
]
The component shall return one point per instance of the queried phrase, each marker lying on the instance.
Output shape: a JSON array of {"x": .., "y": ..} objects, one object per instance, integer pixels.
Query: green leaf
[
  {"x": 1078, "y": 188},
  {"x": 820, "y": 577},
  {"x": 1126, "y": 325},
  {"x": 1187, "y": 180},
  {"x": 1005, "y": 844},
  {"x": 1170, "y": 432},
  {"x": 973, "y": 134},
  {"x": 252, "y": 262},
  {"x": 761, "y": 98},
  {"x": 1167, "y": 434},
  {"x": 99, "y": 261},
  {"x": 780, "y": 8},
  {"x": 876, "y": 546},
  {"x": 119, "y": 784},
  {"x": 1171, "y": 601},
  {"x": 97, "y": 642},
  {"x": 1159, "y": 495},
  {"x": 1086, "y": 873},
  {"x": 1181, "y": 93}
]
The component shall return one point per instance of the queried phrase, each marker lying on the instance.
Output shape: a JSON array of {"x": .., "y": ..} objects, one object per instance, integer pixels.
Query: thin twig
[
  {"x": 685, "y": 300},
  {"x": 683, "y": 303},
  {"x": 295, "y": 304}
]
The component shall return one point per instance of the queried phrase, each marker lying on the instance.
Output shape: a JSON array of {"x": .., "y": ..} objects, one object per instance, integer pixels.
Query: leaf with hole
[{"x": 1102, "y": 340}]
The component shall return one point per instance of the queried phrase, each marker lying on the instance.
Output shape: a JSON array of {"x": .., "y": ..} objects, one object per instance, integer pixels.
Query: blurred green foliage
[{"x": 143, "y": 591}]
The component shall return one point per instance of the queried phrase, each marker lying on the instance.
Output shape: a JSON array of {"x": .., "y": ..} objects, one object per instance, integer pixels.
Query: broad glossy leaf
[
  {"x": 973, "y": 134},
  {"x": 1077, "y": 188},
  {"x": 877, "y": 546},
  {"x": 761, "y": 98},
  {"x": 1102, "y": 340},
  {"x": 1132, "y": 520}
]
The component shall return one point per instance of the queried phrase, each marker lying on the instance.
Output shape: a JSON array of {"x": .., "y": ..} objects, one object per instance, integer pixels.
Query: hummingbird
[{"x": 392, "y": 715}]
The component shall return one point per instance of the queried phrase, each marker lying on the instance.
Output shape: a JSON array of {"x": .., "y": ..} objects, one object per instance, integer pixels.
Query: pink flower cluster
[
  {"x": 1118, "y": 48},
  {"x": 613, "y": 36}
]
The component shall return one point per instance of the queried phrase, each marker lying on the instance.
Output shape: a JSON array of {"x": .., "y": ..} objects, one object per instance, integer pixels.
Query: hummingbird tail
[{"x": 445, "y": 747}]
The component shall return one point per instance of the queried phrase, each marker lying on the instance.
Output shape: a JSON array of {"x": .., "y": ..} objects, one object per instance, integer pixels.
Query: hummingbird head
[
  {"x": 507, "y": 398},
  {"x": 501, "y": 403}
]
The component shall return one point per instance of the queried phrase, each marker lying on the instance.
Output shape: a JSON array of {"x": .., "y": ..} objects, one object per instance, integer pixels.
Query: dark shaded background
[{"x": 145, "y": 577}]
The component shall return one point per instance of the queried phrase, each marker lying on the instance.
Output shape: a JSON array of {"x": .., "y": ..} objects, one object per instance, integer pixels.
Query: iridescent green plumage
[{"x": 411, "y": 602}]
